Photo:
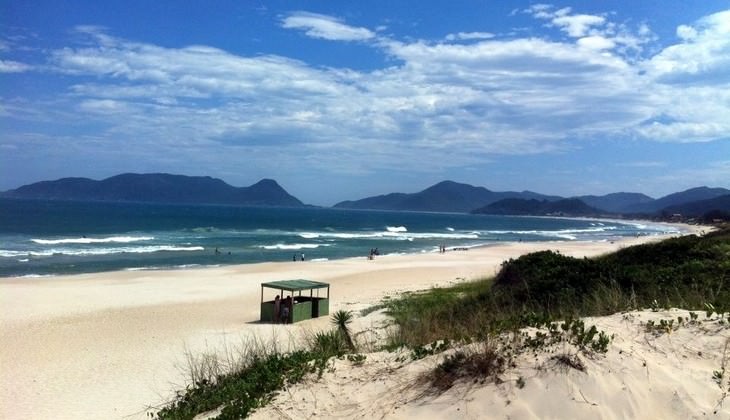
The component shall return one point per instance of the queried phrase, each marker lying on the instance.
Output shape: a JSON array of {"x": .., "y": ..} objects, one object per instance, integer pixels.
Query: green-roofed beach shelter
[{"x": 303, "y": 306}]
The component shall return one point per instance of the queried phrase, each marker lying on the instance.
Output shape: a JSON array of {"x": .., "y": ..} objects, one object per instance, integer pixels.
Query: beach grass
[
  {"x": 233, "y": 392},
  {"x": 689, "y": 272}
]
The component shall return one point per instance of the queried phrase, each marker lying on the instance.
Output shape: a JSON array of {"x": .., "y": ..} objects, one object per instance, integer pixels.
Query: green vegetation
[
  {"x": 689, "y": 272},
  {"x": 342, "y": 319},
  {"x": 242, "y": 392},
  {"x": 487, "y": 359},
  {"x": 541, "y": 289},
  {"x": 252, "y": 379},
  {"x": 720, "y": 377},
  {"x": 487, "y": 363},
  {"x": 481, "y": 324},
  {"x": 239, "y": 393}
]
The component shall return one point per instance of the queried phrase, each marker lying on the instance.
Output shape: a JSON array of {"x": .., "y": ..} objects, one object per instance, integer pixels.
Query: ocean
[{"x": 42, "y": 238}]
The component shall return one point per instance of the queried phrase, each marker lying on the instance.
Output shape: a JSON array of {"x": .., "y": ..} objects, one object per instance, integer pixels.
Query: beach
[{"x": 109, "y": 345}]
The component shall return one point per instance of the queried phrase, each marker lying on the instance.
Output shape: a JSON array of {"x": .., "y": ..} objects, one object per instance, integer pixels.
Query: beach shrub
[
  {"x": 419, "y": 352},
  {"x": 487, "y": 360},
  {"x": 565, "y": 361},
  {"x": 329, "y": 343},
  {"x": 342, "y": 319},
  {"x": 484, "y": 364},
  {"x": 687, "y": 271},
  {"x": 258, "y": 375},
  {"x": 547, "y": 279},
  {"x": 239, "y": 393},
  {"x": 537, "y": 288},
  {"x": 356, "y": 359}
]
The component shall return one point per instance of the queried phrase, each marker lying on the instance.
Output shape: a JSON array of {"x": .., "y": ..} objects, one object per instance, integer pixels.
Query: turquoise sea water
[{"x": 56, "y": 237}]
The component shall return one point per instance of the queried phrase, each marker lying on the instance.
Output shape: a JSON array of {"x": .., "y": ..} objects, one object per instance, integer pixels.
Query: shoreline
[
  {"x": 106, "y": 345},
  {"x": 685, "y": 229}
]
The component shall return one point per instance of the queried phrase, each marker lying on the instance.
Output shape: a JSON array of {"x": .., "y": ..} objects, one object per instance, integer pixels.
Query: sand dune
[
  {"x": 643, "y": 376},
  {"x": 108, "y": 345}
]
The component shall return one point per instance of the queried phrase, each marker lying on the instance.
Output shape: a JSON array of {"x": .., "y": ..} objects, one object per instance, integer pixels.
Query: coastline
[
  {"x": 193, "y": 262},
  {"x": 106, "y": 345},
  {"x": 176, "y": 247}
]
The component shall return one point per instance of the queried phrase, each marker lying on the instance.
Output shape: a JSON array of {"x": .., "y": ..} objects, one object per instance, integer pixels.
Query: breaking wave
[
  {"x": 396, "y": 229},
  {"x": 99, "y": 251},
  {"x": 309, "y": 235},
  {"x": 569, "y": 234},
  {"x": 399, "y": 235},
  {"x": 85, "y": 240},
  {"x": 292, "y": 246}
]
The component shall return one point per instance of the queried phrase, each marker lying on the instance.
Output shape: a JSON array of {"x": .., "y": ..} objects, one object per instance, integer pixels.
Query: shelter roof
[{"x": 295, "y": 285}]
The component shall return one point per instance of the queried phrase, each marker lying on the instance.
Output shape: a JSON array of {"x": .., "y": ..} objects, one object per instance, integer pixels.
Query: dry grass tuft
[
  {"x": 479, "y": 365},
  {"x": 564, "y": 362}
]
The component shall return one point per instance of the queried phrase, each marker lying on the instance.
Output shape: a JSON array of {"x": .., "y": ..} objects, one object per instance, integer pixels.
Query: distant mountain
[
  {"x": 616, "y": 202},
  {"x": 522, "y": 207},
  {"x": 392, "y": 201},
  {"x": 687, "y": 196},
  {"x": 446, "y": 196},
  {"x": 158, "y": 188},
  {"x": 701, "y": 207}
]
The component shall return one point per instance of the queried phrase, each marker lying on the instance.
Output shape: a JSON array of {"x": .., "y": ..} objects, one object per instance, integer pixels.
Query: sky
[{"x": 339, "y": 100}]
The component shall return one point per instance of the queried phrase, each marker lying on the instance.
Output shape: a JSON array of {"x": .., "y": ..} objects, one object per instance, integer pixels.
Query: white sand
[
  {"x": 642, "y": 376},
  {"x": 107, "y": 345}
]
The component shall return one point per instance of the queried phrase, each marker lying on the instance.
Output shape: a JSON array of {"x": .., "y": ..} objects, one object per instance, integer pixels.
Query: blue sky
[{"x": 342, "y": 100}]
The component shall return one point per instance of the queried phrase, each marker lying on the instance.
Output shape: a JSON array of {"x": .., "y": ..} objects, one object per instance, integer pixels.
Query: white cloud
[
  {"x": 540, "y": 10},
  {"x": 705, "y": 48},
  {"x": 446, "y": 104},
  {"x": 594, "y": 31},
  {"x": 596, "y": 42},
  {"x": 325, "y": 27},
  {"x": 103, "y": 106},
  {"x": 527, "y": 94},
  {"x": 686, "y": 32},
  {"x": 693, "y": 79},
  {"x": 189, "y": 72},
  {"x": 469, "y": 36},
  {"x": 9, "y": 66},
  {"x": 685, "y": 132},
  {"x": 577, "y": 26}
]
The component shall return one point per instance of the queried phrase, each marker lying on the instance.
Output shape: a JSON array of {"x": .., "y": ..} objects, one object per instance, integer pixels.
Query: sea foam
[
  {"x": 99, "y": 251},
  {"x": 292, "y": 246},
  {"x": 390, "y": 234},
  {"x": 396, "y": 229},
  {"x": 309, "y": 235},
  {"x": 84, "y": 240}
]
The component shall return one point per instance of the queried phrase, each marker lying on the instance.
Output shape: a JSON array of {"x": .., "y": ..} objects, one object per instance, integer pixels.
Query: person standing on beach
[
  {"x": 277, "y": 309},
  {"x": 286, "y": 310},
  {"x": 302, "y": 256}
]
